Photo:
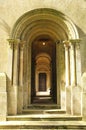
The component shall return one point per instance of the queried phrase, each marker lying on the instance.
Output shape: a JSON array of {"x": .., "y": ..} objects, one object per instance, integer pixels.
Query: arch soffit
[
  {"x": 51, "y": 16},
  {"x": 44, "y": 27}
]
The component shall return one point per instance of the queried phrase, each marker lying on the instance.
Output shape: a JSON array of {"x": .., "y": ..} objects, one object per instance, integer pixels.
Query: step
[
  {"x": 44, "y": 117},
  {"x": 40, "y": 125},
  {"x": 43, "y": 111},
  {"x": 43, "y": 106}
]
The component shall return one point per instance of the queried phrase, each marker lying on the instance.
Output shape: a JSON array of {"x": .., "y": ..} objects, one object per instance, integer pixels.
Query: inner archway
[
  {"x": 44, "y": 27},
  {"x": 43, "y": 79}
]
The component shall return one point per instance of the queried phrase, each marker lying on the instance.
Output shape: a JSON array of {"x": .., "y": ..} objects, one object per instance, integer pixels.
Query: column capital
[
  {"x": 22, "y": 44},
  {"x": 14, "y": 42},
  {"x": 74, "y": 40},
  {"x": 66, "y": 44}
]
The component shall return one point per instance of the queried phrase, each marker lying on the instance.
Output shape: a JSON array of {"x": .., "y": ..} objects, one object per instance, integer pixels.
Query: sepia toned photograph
[{"x": 43, "y": 64}]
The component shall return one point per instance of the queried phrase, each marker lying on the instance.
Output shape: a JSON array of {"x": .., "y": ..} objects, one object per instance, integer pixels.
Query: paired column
[
  {"x": 76, "y": 102},
  {"x": 73, "y": 104},
  {"x": 15, "y": 95},
  {"x": 70, "y": 63},
  {"x": 14, "y": 44}
]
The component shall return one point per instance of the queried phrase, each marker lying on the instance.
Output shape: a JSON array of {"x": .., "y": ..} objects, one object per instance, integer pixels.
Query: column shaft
[
  {"x": 15, "y": 65},
  {"x": 13, "y": 91},
  {"x": 73, "y": 65},
  {"x": 21, "y": 68},
  {"x": 67, "y": 66},
  {"x": 20, "y": 88}
]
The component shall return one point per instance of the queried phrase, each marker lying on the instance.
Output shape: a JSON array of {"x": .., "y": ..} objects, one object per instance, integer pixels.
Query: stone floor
[
  {"x": 47, "y": 117},
  {"x": 79, "y": 125}
]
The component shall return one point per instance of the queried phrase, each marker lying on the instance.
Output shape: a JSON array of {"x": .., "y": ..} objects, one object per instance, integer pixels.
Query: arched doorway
[
  {"x": 43, "y": 79},
  {"x": 51, "y": 26}
]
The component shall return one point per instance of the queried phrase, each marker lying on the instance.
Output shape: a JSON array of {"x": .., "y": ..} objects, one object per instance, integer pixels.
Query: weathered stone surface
[
  {"x": 84, "y": 105},
  {"x": 76, "y": 100},
  {"x": 75, "y": 10},
  {"x": 3, "y": 97},
  {"x": 12, "y": 100},
  {"x": 84, "y": 95},
  {"x": 68, "y": 99},
  {"x": 2, "y": 82}
]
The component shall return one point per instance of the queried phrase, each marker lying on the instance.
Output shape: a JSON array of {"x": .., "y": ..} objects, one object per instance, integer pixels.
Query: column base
[
  {"x": 76, "y": 100},
  {"x": 20, "y": 99},
  {"x": 63, "y": 99},
  {"x": 68, "y": 99},
  {"x": 3, "y": 106},
  {"x": 84, "y": 105},
  {"x": 12, "y": 100}
]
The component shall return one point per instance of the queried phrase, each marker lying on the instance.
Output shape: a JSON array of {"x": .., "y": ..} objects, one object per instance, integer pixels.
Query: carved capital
[
  {"x": 13, "y": 42},
  {"x": 74, "y": 43},
  {"x": 75, "y": 40},
  {"x": 22, "y": 45},
  {"x": 66, "y": 44}
]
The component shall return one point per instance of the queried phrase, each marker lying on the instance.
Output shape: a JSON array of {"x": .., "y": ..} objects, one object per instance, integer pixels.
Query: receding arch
[
  {"x": 37, "y": 16},
  {"x": 41, "y": 23}
]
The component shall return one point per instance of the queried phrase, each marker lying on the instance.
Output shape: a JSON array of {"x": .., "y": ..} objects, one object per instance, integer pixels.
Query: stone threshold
[
  {"x": 44, "y": 117},
  {"x": 43, "y": 125},
  {"x": 43, "y": 111}
]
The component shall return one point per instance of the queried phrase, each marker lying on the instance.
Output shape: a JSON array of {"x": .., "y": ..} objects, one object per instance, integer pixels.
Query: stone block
[
  {"x": 20, "y": 99},
  {"x": 76, "y": 100},
  {"x": 3, "y": 105},
  {"x": 3, "y": 97},
  {"x": 83, "y": 81},
  {"x": 12, "y": 100},
  {"x": 63, "y": 100},
  {"x": 2, "y": 82},
  {"x": 84, "y": 105},
  {"x": 68, "y": 100}
]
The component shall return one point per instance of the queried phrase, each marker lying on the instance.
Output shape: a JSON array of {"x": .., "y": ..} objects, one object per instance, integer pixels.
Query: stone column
[
  {"x": 20, "y": 88},
  {"x": 73, "y": 63},
  {"x": 58, "y": 75},
  {"x": 12, "y": 103},
  {"x": 75, "y": 89},
  {"x": 67, "y": 76},
  {"x": 67, "y": 63}
]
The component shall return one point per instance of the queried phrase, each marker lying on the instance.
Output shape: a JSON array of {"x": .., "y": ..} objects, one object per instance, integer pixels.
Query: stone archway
[
  {"x": 60, "y": 28},
  {"x": 43, "y": 62}
]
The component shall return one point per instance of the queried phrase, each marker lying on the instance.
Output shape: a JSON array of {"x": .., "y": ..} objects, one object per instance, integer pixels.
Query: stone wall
[
  {"x": 10, "y": 11},
  {"x": 3, "y": 97}
]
